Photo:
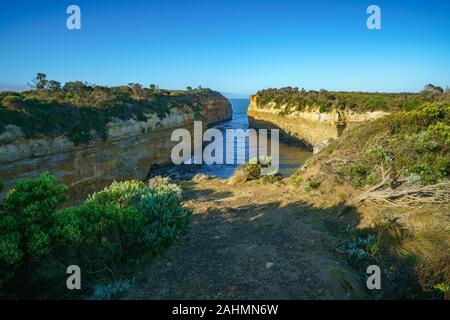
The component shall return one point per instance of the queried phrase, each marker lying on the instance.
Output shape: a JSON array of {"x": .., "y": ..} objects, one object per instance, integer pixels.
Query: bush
[
  {"x": 253, "y": 169},
  {"x": 110, "y": 228},
  {"x": 11, "y": 102},
  {"x": 311, "y": 184},
  {"x": 97, "y": 235},
  {"x": 270, "y": 179},
  {"x": 296, "y": 179},
  {"x": 122, "y": 220},
  {"x": 405, "y": 144},
  {"x": 27, "y": 216}
]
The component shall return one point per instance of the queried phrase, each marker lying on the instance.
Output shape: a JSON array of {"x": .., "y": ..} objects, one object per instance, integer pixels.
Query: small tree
[
  {"x": 54, "y": 85},
  {"x": 438, "y": 89},
  {"x": 39, "y": 82},
  {"x": 75, "y": 86},
  {"x": 432, "y": 88}
]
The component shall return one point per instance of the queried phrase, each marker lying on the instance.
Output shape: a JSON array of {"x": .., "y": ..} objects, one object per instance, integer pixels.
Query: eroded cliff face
[
  {"x": 130, "y": 149},
  {"x": 310, "y": 126}
]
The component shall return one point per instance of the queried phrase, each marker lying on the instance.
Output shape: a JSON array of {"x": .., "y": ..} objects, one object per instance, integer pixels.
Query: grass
[
  {"x": 405, "y": 144},
  {"x": 409, "y": 240}
]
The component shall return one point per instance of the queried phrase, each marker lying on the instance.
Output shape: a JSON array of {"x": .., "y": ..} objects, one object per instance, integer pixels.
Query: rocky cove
[
  {"x": 232, "y": 235},
  {"x": 133, "y": 146}
]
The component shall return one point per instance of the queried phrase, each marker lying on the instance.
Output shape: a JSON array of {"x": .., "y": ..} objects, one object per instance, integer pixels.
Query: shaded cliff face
[
  {"x": 129, "y": 150},
  {"x": 310, "y": 125}
]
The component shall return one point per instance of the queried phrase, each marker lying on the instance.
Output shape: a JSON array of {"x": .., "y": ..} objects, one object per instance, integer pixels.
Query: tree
[
  {"x": 189, "y": 88},
  {"x": 439, "y": 89},
  {"x": 39, "y": 82},
  {"x": 75, "y": 86},
  {"x": 54, "y": 85},
  {"x": 432, "y": 88},
  {"x": 428, "y": 87},
  {"x": 152, "y": 87}
]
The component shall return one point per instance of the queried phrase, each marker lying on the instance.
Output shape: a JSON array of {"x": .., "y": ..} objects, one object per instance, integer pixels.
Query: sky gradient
[{"x": 236, "y": 47}]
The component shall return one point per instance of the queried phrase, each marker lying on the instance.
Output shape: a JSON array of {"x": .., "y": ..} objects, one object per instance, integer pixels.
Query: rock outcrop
[
  {"x": 128, "y": 152},
  {"x": 309, "y": 126}
]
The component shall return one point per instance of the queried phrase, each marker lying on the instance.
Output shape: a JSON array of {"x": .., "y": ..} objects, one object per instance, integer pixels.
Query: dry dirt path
[{"x": 250, "y": 241}]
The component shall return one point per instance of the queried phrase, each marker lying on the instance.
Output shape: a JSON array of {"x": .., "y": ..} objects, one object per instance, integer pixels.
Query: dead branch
[{"x": 435, "y": 194}]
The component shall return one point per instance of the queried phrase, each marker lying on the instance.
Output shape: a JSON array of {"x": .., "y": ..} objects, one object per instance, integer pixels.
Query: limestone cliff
[
  {"x": 128, "y": 152},
  {"x": 310, "y": 125}
]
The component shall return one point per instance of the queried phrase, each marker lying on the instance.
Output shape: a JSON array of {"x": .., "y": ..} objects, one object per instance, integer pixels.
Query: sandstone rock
[
  {"x": 129, "y": 151},
  {"x": 310, "y": 126},
  {"x": 322, "y": 145}
]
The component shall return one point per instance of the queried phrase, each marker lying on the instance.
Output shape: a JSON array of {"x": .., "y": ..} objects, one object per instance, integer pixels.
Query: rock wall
[
  {"x": 129, "y": 151},
  {"x": 310, "y": 126}
]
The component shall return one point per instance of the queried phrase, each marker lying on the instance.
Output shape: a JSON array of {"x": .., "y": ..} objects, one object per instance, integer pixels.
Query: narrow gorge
[{"x": 130, "y": 148}]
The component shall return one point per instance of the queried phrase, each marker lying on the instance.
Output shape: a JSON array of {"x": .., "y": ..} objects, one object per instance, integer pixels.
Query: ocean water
[{"x": 292, "y": 155}]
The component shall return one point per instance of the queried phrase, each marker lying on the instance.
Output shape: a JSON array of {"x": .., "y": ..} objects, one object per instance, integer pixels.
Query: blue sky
[{"x": 237, "y": 47}]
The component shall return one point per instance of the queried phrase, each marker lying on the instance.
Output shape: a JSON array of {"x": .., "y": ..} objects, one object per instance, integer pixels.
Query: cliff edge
[{"x": 127, "y": 149}]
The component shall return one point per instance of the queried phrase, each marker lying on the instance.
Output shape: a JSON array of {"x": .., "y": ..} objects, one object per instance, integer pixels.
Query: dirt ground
[{"x": 250, "y": 241}]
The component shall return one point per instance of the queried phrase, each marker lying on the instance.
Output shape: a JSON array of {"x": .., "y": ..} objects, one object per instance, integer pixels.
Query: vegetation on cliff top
[
  {"x": 298, "y": 100},
  {"x": 81, "y": 111},
  {"x": 401, "y": 165},
  {"x": 412, "y": 145}
]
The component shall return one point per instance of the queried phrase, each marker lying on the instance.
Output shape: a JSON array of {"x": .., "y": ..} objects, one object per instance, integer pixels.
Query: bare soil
[{"x": 251, "y": 241}]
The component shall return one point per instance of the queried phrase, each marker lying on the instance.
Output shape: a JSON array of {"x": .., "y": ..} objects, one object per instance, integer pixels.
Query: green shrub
[
  {"x": 95, "y": 234},
  {"x": 110, "y": 228},
  {"x": 443, "y": 288},
  {"x": 358, "y": 174},
  {"x": 253, "y": 169},
  {"x": 124, "y": 219},
  {"x": 311, "y": 184},
  {"x": 270, "y": 179},
  {"x": 26, "y": 218},
  {"x": 166, "y": 219},
  {"x": 361, "y": 248},
  {"x": 404, "y": 145},
  {"x": 296, "y": 178},
  {"x": 441, "y": 130}
]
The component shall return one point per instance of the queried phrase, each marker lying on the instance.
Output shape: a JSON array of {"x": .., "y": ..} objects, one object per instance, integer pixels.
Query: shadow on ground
[{"x": 240, "y": 247}]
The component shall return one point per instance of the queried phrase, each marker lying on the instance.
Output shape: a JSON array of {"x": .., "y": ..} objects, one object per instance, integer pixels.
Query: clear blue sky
[{"x": 231, "y": 46}]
